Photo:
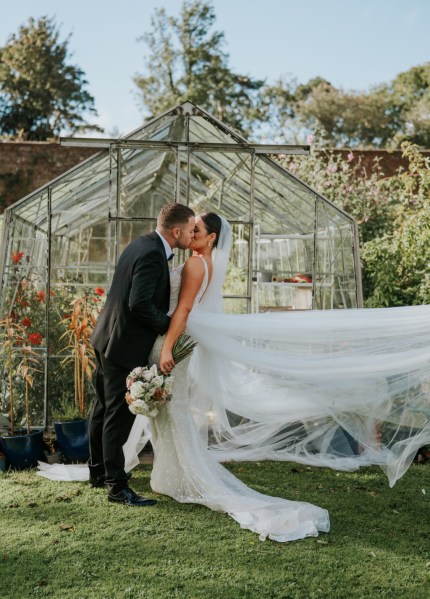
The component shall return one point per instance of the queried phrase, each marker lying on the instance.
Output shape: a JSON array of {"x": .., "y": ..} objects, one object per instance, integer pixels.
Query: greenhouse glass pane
[
  {"x": 148, "y": 180},
  {"x": 129, "y": 231},
  {"x": 80, "y": 208},
  {"x": 236, "y": 281},
  {"x": 82, "y": 197},
  {"x": 34, "y": 211},
  {"x": 202, "y": 130},
  {"x": 166, "y": 128},
  {"x": 221, "y": 182},
  {"x": 282, "y": 204},
  {"x": 25, "y": 260},
  {"x": 281, "y": 257},
  {"x": 273, "y": 297},
  {"x": 80, "y": 257},
  {"x": 335, "y": 270}
]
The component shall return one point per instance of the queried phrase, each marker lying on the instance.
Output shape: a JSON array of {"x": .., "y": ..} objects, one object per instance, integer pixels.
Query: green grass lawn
[{"x": 64, "y": 540}]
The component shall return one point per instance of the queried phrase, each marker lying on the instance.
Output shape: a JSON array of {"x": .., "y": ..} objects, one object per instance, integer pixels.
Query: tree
[
  {"x": 41, "y": 94},
  {"x": 335, "y": 117},
  {"x": 186, "y": 62},
  {"x": 409, "y": 103},
  {"x": 382, "y": 117}
]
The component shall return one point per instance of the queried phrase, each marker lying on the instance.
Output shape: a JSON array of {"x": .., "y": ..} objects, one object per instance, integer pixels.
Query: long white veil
[{"x": 339, "y": 388}]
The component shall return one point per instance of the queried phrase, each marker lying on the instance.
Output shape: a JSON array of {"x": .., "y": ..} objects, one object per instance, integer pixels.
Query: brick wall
[{"x": 26, "y": 166}]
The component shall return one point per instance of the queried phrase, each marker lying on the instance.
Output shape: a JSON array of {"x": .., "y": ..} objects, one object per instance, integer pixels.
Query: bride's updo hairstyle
[{"x": 213, "y": 224}]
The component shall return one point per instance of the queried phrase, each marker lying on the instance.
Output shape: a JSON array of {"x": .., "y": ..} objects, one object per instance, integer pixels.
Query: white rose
[
  {"x": 137, "y": 389},
  {"x": 154, "y": 370},
  {"x": 157, "y": 381},
  {"x": 138, "y": 407},
  {"x": 148, "y": 375}
]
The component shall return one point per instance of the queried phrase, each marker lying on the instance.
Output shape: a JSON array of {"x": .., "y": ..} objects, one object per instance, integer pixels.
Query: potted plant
[
  {"x": 70, "y": 421},
  {"x": 22, "y": 448}
]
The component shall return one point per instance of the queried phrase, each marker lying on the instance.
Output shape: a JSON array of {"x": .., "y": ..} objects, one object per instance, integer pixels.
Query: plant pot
[
  {"x": 72, "y": 439},
  {"x": 2, "y": 462},
  {"x": 23, "y": 450}
]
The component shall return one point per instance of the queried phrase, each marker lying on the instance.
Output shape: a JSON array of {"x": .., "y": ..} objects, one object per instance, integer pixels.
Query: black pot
[
  {"x": 23, "y": 450},
  {"x": 72, "y": 438}
]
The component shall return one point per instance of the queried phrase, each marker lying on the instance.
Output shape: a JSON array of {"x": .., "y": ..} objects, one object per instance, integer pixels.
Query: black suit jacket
[{"x": 136, "y": 308}]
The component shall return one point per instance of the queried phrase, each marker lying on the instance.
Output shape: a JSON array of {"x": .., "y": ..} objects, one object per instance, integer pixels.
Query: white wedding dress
[{"x": 185, "y": 470}]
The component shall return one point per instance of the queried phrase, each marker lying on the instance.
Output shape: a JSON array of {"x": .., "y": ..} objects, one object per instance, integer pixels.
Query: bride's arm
[{"x": 191, "y": 280}]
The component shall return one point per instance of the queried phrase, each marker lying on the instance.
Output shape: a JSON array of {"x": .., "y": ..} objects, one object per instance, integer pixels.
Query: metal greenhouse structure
[{"x": 293, "y": 249}]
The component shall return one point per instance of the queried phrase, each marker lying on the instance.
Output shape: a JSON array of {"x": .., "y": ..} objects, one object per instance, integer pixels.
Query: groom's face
[{"x": 184, "y": 234}]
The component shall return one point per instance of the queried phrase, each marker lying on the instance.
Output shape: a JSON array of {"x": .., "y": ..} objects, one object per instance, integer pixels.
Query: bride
[{"x": 335, "y": 388}]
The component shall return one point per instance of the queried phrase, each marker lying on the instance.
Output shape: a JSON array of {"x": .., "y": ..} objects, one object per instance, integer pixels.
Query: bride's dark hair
[{"x": 212, "y": 223}]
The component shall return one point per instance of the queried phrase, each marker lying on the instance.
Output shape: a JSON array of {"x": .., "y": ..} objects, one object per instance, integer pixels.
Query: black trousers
[{"x": 110, "y": 424}]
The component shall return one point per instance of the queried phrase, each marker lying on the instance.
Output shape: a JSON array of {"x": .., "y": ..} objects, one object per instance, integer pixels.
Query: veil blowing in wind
[{"x": 339, "y": 388}]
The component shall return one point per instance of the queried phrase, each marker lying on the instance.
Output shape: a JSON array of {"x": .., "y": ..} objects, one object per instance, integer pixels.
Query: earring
[{"x": 209, "y": 244}]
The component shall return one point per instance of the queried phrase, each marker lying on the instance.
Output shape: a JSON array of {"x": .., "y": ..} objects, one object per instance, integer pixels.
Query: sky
[{"x": 354, "y": 45}]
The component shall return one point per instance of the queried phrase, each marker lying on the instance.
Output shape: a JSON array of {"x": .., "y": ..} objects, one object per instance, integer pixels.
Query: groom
[{"x": 134, "y": 315}]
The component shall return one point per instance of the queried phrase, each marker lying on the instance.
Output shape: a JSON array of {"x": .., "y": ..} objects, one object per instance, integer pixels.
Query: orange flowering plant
[{"x": 79, "y": 328}]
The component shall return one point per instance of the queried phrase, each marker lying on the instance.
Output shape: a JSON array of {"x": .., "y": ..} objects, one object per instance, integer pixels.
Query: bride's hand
[{"x": 167, "y": 362}]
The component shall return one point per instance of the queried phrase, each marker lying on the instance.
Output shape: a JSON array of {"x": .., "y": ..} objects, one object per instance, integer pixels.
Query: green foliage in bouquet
[{"x": 182, "y": 347}]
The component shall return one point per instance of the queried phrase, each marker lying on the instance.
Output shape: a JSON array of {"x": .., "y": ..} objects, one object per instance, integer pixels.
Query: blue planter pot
[
  {"x": 72, "y": 438},
  {"x": 23, "y": 451}
]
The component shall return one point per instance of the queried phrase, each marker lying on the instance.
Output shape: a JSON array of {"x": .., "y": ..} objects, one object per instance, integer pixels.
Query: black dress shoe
[{"x": 129, "y": 497}]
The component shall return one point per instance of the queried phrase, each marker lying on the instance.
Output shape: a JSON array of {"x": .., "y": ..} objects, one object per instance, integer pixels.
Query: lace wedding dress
[{"x": 186, "y": 471}]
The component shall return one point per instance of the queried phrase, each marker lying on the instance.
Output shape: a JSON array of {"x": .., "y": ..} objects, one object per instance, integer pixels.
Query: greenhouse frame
[{"x": 292, "y": 248}]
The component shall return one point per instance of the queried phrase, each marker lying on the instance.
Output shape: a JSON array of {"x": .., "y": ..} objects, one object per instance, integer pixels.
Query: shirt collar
[{"x": 167, "y": 247}]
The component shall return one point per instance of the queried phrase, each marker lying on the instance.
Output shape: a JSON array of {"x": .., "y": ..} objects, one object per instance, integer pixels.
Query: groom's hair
[{"x": 173, "y": 215}]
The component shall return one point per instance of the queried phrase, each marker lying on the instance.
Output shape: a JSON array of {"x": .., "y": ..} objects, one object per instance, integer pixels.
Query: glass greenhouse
[{"x": 293, "y": 249}]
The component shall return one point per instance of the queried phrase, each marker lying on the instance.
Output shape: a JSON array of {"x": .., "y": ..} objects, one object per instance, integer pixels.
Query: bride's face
[{"x": 202, "y": 239}]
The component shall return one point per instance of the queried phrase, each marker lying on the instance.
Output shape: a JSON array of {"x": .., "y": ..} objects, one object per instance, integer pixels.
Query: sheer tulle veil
[{"x": 339, "y": 388}]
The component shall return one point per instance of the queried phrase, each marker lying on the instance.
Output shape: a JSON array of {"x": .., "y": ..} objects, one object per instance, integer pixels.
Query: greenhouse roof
[{"x": 184, "y": 155}]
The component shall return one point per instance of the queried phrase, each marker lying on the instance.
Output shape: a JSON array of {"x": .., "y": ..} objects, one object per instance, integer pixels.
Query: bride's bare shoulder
[{"x": 194, "y": 264}]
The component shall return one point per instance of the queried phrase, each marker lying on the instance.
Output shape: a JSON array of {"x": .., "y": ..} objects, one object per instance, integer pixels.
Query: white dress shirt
[{"x": 167, "y": 247}]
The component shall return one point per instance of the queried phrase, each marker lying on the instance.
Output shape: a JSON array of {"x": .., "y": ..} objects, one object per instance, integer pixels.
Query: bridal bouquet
[{"x": 148, "y": 389}]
